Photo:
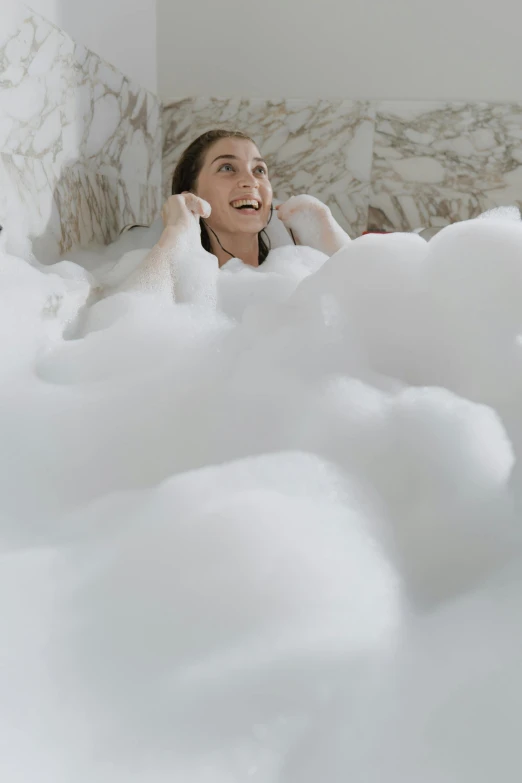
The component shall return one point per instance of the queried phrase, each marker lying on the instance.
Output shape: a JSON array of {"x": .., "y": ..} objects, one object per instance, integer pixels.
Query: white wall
[
  {"x": 341, "y": 48},
  {"x": 120, "y": 31}
]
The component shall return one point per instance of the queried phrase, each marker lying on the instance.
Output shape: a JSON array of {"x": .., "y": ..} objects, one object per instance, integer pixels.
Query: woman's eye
[
  {"x": 226, "y": 167},
  {"x": 261, "y": 170}
]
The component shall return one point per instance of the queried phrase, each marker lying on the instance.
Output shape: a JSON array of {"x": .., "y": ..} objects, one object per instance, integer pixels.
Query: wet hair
[{"x": 187, "y": 172}]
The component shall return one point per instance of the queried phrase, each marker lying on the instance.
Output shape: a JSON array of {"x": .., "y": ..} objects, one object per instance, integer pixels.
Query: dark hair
[{"x": 188, "y": 169}]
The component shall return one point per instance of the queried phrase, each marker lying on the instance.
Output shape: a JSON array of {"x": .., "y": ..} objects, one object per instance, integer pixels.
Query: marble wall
[
  {"x": 80, "y": 145},
  {"x": 379, "y": 165}
]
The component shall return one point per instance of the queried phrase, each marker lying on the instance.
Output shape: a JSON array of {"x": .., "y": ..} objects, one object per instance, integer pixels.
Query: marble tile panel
[
  {"x": 119, "y": 122},
  {"x": 58, "y": 98},
  {"x": 37, "y": 107},
  {"x": 73, "y": 206},
  {"x": 80, "y": 144},
  {"x": 435, "y": 163}
]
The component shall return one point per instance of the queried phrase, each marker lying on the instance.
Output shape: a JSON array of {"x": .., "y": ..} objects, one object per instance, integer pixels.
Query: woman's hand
[
  {"x": 312, "y": 224},
  {"x": 181, "y": 214},
  {"x": 180, "y": 209}
]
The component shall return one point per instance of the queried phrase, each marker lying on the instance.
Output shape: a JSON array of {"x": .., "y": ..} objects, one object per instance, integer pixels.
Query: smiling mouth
[{"x": 249, "y": 205}]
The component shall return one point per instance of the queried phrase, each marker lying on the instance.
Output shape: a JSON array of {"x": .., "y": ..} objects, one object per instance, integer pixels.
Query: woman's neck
[{"x": 243, "y": 246}]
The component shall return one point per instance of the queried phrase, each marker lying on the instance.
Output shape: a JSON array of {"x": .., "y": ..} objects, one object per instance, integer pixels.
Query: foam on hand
[{"x": 267, "y": 532}]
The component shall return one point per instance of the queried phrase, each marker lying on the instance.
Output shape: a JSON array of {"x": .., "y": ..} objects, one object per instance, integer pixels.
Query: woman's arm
[{"x": 168, "y": 265}]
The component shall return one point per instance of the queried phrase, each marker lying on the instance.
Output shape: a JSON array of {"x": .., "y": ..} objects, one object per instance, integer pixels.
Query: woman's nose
[{"x": 247, "y": 180}]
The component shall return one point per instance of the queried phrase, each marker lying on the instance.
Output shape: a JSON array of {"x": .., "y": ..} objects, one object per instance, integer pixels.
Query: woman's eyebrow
[
  {"x": 227, "y": 157},
  {"x": 234, "y": 157}
]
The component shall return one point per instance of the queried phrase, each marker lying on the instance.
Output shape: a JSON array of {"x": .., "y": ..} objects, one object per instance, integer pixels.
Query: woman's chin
[{"x": 251, "y": 223}]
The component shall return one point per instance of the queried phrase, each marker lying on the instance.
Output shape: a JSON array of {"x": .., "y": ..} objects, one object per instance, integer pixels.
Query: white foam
[{"x": 273, "y": 538}]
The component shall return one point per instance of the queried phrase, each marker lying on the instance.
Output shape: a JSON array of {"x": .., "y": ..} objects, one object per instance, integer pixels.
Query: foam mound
[{"x": 272, "y": 539}]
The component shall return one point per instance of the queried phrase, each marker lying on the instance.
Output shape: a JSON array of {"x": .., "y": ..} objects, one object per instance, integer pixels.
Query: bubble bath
[{"x": 273, "y": 536}]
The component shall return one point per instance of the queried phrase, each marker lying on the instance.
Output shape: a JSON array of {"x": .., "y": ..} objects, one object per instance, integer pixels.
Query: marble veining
[
  {"x": 436, "y": 163},
  {"x": 80, "y": 143},
  {"x": 77, "y": 206},
  {"x": 120, "y": 123}
]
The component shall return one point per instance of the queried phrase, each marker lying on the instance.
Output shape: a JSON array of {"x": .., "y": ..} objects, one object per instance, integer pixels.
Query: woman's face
[{"x": 233, "y": 173}]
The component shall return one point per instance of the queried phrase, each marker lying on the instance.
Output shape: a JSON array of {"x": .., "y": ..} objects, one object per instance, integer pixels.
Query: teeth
[{"x": 245, "y": 203}]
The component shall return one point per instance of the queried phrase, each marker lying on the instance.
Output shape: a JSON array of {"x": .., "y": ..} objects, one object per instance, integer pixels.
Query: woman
[{"x": 222, "y": 203}]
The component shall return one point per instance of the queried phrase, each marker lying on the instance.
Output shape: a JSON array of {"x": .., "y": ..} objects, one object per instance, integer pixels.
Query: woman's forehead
[{"x": 240, "y": 148}]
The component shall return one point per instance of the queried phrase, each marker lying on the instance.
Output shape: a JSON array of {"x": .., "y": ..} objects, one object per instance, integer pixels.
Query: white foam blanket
[{"x": 274, "y": 540}]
